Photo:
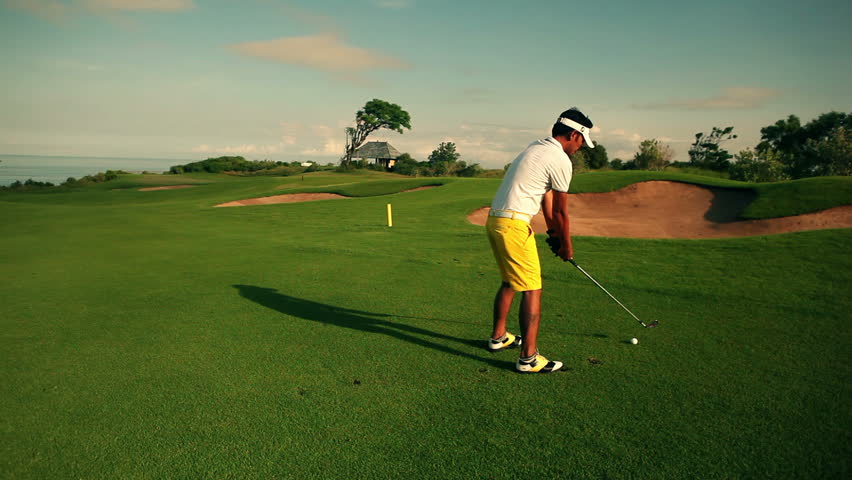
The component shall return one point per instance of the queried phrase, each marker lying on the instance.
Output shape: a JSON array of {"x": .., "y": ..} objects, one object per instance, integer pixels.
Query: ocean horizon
[{"x": 57, "y": 169}]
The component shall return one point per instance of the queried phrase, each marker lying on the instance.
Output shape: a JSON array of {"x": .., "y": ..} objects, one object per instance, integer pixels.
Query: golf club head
[{"x": 649, "y": 325}]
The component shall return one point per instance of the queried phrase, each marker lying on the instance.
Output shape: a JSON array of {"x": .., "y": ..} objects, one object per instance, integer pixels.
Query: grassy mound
[
  {"x": 800, "y": 196},
  {"x": 773, "y": 200}
]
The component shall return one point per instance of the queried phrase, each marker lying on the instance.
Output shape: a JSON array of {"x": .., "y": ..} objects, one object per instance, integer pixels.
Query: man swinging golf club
[{"x": 538, "y": 178}]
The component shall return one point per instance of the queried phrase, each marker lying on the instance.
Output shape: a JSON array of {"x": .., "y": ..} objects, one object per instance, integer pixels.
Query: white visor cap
[{"x": 580, "y": 128}]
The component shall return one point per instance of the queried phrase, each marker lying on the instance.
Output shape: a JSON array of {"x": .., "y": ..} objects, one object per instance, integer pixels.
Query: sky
[{"x": 281, "y": 80}]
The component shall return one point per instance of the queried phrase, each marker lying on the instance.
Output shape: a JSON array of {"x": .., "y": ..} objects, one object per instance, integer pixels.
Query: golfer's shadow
[{"x": 363, "y": 321}]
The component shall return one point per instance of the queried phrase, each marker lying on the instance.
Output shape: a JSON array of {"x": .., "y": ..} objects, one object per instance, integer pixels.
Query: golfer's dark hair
[{"x": 560, "y": 129}]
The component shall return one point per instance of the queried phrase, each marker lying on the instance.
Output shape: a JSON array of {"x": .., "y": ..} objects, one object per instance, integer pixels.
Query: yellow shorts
[{"x": 513, "y": 243}]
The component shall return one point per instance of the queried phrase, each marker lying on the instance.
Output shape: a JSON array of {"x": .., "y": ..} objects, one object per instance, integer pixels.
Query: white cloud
[
  {"x": 393, "y": 4},
  {"x": 55, "y": 11},
  {"x": 620, "y": 143},
  {"x": 492, "y": 146},
  {"x": 306, "y": 17},
  {"x": 329, "y": 147},
  {"x": 323, "y": 131},
  {"x": 247, "y": 149},
  {"x": 299, "y": 132},
  {"x": 75, "y": 65},
  {"x": 312, "y": 140},
  {"x": 294, "y": 139},
  {"x": 324, "y": 52},
  {"x": 131, "y": 5},
  {"x": 740, "y": 98},
  {"x": 45, "y": 9}
]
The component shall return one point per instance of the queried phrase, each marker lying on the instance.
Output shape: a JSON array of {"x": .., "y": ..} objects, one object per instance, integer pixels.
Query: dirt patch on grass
[
  {"x": 169, "y": 187},
  {"x": 662, "y": 209},
  {"x": 286, "y": 198}
]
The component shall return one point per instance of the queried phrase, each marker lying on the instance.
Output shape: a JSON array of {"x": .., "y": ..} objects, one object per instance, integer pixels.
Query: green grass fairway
[{"x": 150, "y": 335}]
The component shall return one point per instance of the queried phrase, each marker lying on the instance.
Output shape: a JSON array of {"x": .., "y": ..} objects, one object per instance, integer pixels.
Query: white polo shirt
[{"x": 541, "y": 167}]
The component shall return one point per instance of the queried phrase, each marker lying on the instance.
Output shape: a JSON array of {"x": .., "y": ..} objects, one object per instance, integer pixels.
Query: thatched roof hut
[{"x": 382, "y": 152}]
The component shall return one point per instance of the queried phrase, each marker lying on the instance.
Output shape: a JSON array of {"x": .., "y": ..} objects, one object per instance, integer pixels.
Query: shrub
[
  {"x": 653, "y": 155},
  {"x": 492, "y": 173},
  {"x": 464, "y": 170},
  {"x": 831, "y": 155},
  {"x": 406, "y": 165},
  {"x": 27, "y": 185},
  {"x": 579, "y": 160},
  {"x": 753, "y": 166}
]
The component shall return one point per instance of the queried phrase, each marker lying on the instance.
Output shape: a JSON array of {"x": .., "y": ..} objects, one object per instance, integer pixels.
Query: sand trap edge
[
  {"x": 168, "y": 187},
  {"x": 286, "y": 198}
]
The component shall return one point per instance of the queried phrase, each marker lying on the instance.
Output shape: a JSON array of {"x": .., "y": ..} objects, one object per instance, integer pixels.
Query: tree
[
  {"x": 782, "y": 136},
  {"x": 406, "y": 165},
  {"x": 706, "y": 153},
  {"x": 579, "y": 161},
  {"x": 652, "y": 155},
  {"x": 446, "y": 152},
  {"x": 831, "y": 155},
  {"x": 442, "y": 160},
  {"x": 595, "y": 157},
  {"x": 376, "y": 114},
  {"x": 754, "y": 166},
  {"x": 616, "y": 164},
  {"x": 806, "y": 151},
  {"x": 465, "y": 170}
]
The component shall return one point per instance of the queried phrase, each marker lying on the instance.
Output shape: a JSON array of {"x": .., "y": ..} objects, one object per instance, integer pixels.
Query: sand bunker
[
  {"x": 170, "y": 187},
  {"x": 298, "y": 197},
  {"x": 287, "y": 198},
  {"x": 676, "y": 210}
]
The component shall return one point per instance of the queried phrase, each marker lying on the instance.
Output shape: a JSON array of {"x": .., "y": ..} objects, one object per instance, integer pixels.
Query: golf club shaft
[{"x": 605, "y": 291}]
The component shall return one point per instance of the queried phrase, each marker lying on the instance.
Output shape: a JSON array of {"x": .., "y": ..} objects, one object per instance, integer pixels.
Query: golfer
[{"x": 538, "y": 178}]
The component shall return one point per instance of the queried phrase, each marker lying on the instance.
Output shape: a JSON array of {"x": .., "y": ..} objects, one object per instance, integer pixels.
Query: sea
[{"x": 56, "y": 169}]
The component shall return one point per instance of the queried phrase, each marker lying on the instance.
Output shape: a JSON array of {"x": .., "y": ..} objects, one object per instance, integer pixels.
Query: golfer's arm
[
  {"x": 547, "y": 211},
  {"x": 560, "y": 219}
]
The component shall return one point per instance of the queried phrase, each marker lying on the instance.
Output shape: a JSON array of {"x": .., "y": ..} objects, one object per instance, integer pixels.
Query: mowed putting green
[{"x": 148, "y": 334}]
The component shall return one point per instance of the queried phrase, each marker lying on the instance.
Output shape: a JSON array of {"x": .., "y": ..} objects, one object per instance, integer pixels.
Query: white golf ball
[{"x": 634, "y": 341}]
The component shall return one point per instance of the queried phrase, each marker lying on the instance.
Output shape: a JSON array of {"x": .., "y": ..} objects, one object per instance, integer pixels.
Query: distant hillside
[{"x": 225, "y": 164}]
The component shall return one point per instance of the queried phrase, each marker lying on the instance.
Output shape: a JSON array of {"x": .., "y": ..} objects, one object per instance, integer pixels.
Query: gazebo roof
[{"x": 377, "y": 150}]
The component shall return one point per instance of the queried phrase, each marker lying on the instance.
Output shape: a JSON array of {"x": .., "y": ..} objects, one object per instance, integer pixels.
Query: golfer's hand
[
  {"x": 555, "y": 244},
  {"x": 566, "y": 252}
]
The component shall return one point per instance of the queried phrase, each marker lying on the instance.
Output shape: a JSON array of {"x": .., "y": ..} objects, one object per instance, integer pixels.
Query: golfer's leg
[
  {"x": 529, "y": 316},
  {"x": 502, "y": 304}
]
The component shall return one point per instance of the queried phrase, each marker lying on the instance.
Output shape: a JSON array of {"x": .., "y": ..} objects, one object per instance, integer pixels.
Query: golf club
[{"x": 649, "y": 325}]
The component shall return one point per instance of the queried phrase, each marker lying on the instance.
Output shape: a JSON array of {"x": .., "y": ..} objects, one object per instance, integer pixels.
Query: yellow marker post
[{"x": 390, "y": 216}]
